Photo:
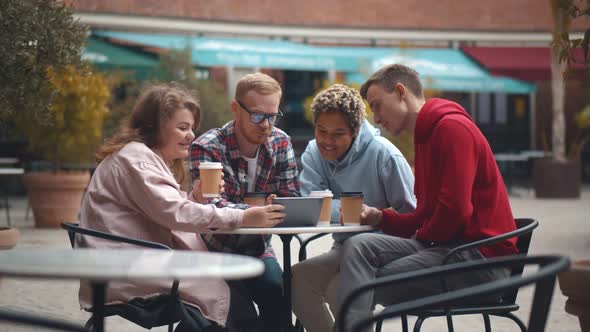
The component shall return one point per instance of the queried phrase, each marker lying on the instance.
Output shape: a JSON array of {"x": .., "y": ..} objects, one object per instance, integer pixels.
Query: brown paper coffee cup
[
  {"x": 326, "y": 212},
  {"x": 350, "y": 207},
  {"x": 210, "y": 178},
  {"x": 255, "y": 198}
]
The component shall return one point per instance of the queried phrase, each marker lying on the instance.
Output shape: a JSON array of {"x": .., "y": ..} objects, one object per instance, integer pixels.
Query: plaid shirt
[{"x": 276, "y": 172}]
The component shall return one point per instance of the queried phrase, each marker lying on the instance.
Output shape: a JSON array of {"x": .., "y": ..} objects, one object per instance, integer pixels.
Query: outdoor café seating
[
  {"x": 507, "y": 304},
  {"x": 74, "y": 228},
  {"x": 544, "y": 279}
]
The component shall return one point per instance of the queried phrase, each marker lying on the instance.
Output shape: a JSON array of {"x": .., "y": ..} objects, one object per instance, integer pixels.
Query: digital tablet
[{"x": 300, "y": 211}]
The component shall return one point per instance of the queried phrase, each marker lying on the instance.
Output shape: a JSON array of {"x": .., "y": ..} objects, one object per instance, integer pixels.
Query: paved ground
[{"x": 563, "y": 230}]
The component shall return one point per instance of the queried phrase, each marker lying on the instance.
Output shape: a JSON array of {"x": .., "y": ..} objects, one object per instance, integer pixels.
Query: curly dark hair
[{"x": 343, "y": 99}]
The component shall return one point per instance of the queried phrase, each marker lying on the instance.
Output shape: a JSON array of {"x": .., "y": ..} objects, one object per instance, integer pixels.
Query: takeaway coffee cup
[
  {"x": 326, "y": 211},
  {"x": 255, "y": 198},
  {"x": 210, "y": 178},
  {"x": 350, "y": 207}
]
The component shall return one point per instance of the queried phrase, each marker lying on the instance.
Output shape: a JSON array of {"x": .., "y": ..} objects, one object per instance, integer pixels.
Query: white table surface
[
  {"x": 124, "y": 264},
  {"x": 321, "y": 228},
  {"x": 12, "y": 171},
  {"x": 9, "y": 160},
  {"x": 510, "y": 157}
]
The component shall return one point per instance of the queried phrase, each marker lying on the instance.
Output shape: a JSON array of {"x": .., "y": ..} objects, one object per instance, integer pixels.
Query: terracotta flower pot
[
  {"x": 575, "y": 284},
  {"x": 557, "y": 179},
  {"x": 55, "y": 197},
  {"x": 8, "y": 237}
]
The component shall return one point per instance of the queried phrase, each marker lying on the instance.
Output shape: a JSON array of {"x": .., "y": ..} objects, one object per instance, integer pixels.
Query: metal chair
[
  {"x": 505, "y": 307},
  {"x": 74, "y": 228},
  {"x": 543, "y": 278},
  {"x": 28, "y": 319},
  {"x": 304, "y": 240}
]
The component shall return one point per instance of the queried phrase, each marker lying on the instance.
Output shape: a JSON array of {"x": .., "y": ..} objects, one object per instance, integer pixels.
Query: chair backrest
[
  {"x": 543, "y": 278},
  {"x": 74, "y": 228},
  {"x": 523, "y": 243}
]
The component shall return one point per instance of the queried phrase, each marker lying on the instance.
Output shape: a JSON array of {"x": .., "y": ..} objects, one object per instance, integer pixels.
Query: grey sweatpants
[{"x": 368, "y": 256}]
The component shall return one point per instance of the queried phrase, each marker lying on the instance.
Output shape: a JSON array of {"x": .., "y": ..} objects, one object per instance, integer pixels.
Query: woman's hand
[
  {"x": 270, "y": 198},
  {"x": 197, "y": 193},
  {"x": 263, "y": 216}
]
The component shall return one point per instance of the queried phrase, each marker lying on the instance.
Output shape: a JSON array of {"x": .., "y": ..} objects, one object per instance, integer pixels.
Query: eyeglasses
[{"x": 258, "y": 118}]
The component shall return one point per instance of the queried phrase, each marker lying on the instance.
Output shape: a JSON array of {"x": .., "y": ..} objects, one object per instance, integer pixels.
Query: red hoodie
[{"x": 460, "y": 193}]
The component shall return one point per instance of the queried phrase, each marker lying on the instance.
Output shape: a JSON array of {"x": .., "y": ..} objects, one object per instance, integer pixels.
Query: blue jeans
[{"x": 266, "y": 291}]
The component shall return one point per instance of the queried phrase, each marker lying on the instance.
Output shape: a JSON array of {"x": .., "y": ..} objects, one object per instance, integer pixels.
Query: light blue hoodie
[{"x": 373, "y": 165}]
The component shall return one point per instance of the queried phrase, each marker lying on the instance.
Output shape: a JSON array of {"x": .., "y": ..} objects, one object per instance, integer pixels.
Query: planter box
[
  {"x": 557, "y": 179},
  {"x": 55, "y": 197},
  {"x": 575, "y": 284},
  {"x": 8, "y": 237}
]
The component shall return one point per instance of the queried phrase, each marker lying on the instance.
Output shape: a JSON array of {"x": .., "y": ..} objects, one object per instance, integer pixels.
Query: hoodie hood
[{"x": 431, "y": 113}]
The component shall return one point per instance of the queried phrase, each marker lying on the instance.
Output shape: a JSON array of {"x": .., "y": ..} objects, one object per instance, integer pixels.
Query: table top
[
  {"x": 510, "y": 157},
  {"x": 320, "y": 228},
  {"x": 125, "y": 264},
  {"x": 9, "y": 160},
  {"x": 12, "y": 171}
]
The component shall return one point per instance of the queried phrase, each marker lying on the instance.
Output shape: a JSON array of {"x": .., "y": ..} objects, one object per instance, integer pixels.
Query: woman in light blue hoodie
[{"x": 347, "y": 154}]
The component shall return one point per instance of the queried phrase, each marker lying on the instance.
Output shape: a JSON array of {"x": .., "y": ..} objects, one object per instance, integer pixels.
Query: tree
[
  {"x": 176, "y": 65},
  {"x": 35, "y": 35},
  {"x": 564, "y": 11}
]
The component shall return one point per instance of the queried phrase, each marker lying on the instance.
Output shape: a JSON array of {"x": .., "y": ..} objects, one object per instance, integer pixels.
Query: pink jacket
[{"x": 133, "y": 193}]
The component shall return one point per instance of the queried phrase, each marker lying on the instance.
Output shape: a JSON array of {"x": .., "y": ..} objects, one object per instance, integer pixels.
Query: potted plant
[
  {"x": 70, "y": 137},
  {"x": 574, "y": 285},
  {"x": 8, "y": 237},
  {"x": 50, "y": 98},
  {"x": 559, "y": 176},
  {"x": 562, "y": 178}
]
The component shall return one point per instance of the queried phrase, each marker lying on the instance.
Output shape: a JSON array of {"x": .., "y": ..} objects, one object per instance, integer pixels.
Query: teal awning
[
  {"x": 275, "y": 54},
  {"x": 446, "y": 70},
  {"x": 106, "y": 56},
  {"x": 440, "y": 69}
]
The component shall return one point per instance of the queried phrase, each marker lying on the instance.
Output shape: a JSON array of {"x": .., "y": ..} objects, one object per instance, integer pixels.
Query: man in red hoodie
[{"x": 459, "y": 190}]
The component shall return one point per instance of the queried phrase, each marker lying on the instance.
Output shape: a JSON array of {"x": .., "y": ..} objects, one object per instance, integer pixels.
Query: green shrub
[
  {"x": 75, "y": 116},
  {"x": 36, "y": 35}
]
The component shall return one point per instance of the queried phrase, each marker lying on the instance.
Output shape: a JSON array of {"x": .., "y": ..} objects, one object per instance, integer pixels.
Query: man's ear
[
  {"x": 400, "y": 89},
  {"x": 235, "y": 108}
]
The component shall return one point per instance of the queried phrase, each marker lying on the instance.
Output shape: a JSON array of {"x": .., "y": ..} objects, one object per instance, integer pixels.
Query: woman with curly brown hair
[{"x": 134, "y": 192}]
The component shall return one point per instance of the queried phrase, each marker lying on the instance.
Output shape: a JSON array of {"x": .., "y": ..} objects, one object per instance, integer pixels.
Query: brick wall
[{"x": 469, "y": 15}]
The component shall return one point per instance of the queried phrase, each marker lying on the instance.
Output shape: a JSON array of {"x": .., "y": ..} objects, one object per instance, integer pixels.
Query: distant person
[
  {"x": 460, "y": 197},
  {"x": 256, "y": 157},
  {"x": 135, "y": 192},
  {"x": 347, "y": 154}
]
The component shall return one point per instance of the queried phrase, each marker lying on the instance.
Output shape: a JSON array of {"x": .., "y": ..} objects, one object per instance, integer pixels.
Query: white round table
[
  {"x": 286, "y": 235},
  {"x": 99, "y": 266},
  {"x": 320, "y": 228}
]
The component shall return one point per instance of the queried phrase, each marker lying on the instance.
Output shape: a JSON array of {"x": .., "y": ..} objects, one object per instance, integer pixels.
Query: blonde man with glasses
[{"x": 256, "y": 157}]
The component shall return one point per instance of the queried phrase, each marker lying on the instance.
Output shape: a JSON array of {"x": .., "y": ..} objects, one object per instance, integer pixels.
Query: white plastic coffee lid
[
  {"x": 210, "y": 165},
  {"x": 321, "y": 193}
]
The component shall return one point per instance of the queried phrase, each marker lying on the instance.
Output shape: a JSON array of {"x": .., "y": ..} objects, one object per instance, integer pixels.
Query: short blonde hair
[
  {"x": 343, "y": 99},
  {"x": 259, "y": 82}
]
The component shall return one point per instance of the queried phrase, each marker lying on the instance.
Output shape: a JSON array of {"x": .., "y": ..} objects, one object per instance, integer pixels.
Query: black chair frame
[
  {"x": 503, "y": 308},
  {"x": 544, "y": 278},
  {"x": 304, "y": 241},
  {"x": 74, "y": 228},
  {"x": 44, "y": 322}
]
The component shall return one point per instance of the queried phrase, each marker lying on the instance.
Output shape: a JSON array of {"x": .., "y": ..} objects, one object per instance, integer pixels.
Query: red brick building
[{"x": 519, "y": 30}]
